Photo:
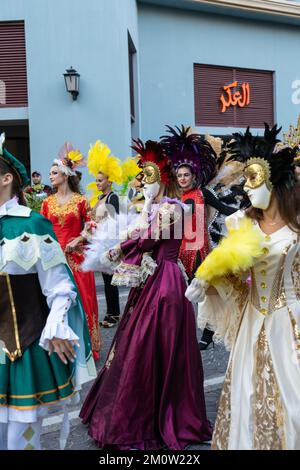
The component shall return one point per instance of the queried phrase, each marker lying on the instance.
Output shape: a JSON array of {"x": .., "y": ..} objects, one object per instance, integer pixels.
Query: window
[
  {"x": 210, "y": 110},
  {"x": 13, "y": 76}
]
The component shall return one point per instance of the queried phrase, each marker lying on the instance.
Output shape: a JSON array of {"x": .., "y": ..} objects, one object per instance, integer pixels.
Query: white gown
[{"x": 260, "y": 321}]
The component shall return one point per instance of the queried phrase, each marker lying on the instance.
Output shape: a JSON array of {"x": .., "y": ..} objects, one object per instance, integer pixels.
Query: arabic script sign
[{"x": 231, "y": 98}]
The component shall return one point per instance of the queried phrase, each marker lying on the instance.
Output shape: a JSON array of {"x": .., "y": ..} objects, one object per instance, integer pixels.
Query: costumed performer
[
  {"x": 68, "y": 210},
  {"x": 149, "y": 394},
  {"x": 41, "y": 318},
  {"x": 106, "y": 168},
  {"x": 259, "y": 320}
]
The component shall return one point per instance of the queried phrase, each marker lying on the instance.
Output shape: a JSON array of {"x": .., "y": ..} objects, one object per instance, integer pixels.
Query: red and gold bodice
[
  {"x": 68, "y": 222},
  {"x": 191, "y": 258}
]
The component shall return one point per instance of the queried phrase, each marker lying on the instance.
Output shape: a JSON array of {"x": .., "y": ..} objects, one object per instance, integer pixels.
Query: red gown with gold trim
[
  {"x": 191, "y": 259},
  {"x": 68, "y": 221}
]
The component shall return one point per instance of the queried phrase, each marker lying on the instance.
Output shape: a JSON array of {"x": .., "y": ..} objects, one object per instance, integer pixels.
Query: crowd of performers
[{"x": 190, "y": 221}]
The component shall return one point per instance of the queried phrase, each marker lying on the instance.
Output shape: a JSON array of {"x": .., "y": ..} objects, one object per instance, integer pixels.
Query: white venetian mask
[
  {"x": 260, "y": 197},
  {"x": 151, "y": 190}
]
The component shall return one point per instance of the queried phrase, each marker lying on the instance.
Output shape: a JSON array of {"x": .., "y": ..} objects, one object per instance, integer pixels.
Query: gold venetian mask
[
  {"x": 257, "y": 172},
  {"x": 151, "y": 173}
]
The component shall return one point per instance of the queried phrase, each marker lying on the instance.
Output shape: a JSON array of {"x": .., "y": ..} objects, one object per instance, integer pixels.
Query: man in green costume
[{"x": 41, "y": 317}]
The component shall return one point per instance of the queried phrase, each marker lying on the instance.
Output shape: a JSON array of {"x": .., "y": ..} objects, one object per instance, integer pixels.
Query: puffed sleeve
[
  {"x": 166, "y": 225},
  {"x": 137, "y": 263},
  {"x": 60, "y": 293}
]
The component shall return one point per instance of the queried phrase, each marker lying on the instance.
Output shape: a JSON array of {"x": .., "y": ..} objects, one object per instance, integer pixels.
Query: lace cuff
[
  {"x": 56, "y": 330},
  {"x": 131, "y": 275}
]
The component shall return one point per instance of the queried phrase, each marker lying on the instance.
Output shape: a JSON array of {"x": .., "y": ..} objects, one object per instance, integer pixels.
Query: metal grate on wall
[
  {"x": 209, "y": 81},
  {"x": 13, "y": 76}
]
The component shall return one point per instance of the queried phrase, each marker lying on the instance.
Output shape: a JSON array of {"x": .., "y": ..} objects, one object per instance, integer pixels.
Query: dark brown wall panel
[
  {"x": 209, "y": 81},
  {"x": 13, "y": 63}
]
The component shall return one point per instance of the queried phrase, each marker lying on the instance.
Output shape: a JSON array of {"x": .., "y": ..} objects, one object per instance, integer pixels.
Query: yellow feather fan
[
  {"x": 235, "y": 253},
  {"x": 101, "y": 161}
]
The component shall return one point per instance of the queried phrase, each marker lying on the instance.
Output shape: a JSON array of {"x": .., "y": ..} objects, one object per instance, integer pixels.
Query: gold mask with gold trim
[
  {"x": 151, "y": 173},
  {"x": 257, "y": 172}
]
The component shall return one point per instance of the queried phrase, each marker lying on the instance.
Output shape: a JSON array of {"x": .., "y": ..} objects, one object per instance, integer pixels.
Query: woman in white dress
[{"x": 257, "y": 314}]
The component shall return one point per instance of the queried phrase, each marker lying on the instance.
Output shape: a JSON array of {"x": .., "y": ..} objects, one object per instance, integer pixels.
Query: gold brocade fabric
[
  {"x": 268, "y": 413},
  {"x": 61, "y": 211},
  {"x": 296, "y": 275},
  {"x": 278, "y": 297},
  {"x": 220, "y": 438},
  {"x": 95, "y": 333},
  {"x": 74, "y": 265},
  {"x": 111, "y": 356},
  {"x": 296, "y": 333}
]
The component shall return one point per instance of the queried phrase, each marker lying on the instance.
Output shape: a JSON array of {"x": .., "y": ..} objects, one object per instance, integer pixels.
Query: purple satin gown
[{"x": 149, "y": 394}]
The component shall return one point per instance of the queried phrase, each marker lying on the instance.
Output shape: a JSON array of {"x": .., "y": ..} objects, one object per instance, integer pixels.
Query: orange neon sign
[{"x": 240, "y": 97}]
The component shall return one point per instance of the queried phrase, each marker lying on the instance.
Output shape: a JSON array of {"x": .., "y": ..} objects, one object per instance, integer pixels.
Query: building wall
[
  {"x": 172, "y": 40},
  {"x": 92, "y": 37}
]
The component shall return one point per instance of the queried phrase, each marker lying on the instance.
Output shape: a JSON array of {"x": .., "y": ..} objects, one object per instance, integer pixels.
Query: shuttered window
[
  {"x": 209, "y": 81},
  {"x": 13, "y": 77}
]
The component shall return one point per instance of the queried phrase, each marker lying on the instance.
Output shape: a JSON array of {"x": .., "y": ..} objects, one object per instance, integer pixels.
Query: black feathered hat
[
  {"x": 191, "y": 149},
  {"x": 278, "y": 164}
]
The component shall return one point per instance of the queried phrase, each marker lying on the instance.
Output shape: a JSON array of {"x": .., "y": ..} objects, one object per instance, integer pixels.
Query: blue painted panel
[{"x": 172, "y": 40}]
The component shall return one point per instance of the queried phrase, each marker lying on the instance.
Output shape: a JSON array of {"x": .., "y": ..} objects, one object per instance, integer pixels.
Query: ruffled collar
[{"x": 13, "y": 208}]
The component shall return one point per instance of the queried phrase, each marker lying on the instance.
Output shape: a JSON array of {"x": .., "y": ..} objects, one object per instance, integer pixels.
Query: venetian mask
[
  {"x": 258, "y": 185},
  {"x": 151, "y": 173},
  {"x": 151, "y": 190}
]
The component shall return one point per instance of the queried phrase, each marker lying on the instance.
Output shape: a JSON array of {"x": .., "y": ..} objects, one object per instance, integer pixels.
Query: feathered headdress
[
  {"x": 100, "y": 160},
  {"x": 95, "y": 193},
  {"x": 228, "y": 172},
  {"x": 185, "y": 148},
  {"x": 69, "y": 159},
  {"x": 154, "y": 162},
  {"x": 278, "y": 165},
  {"x": 130, "y": 169},
  {"x": 292, "y": 139}
]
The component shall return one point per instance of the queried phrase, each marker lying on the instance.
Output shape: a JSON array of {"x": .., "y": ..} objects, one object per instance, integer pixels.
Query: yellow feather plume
[
  {"x": 95, "y": 193},
  {"x": 75, "y": 156},
  {"x": 130, "y": 168},
  {"x": 100, "y": 160},
  {"x": 235, "y": 253}
]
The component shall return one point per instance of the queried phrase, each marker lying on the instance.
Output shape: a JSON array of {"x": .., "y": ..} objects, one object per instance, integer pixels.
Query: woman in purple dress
[{"x": 149, "y": 394}]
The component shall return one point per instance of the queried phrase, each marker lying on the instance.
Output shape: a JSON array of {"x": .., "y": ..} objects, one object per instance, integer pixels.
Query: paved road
[{"x": 214, "y": 363}]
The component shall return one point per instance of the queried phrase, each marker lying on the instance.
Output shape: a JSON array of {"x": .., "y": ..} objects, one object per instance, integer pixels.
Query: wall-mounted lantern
[{"x": 72, "y": 82}]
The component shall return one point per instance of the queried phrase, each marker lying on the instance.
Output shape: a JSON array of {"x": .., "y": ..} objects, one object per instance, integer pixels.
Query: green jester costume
[{"x": 38, "y": 302}]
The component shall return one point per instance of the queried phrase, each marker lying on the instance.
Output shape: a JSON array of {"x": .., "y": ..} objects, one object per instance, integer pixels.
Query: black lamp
[{"x": 72, "y": 82}]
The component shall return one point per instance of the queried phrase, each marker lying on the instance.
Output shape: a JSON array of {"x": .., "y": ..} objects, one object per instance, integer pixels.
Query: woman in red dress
[
  {"x": 194, "y": 161},
  {"x": 68, "y": 211}
]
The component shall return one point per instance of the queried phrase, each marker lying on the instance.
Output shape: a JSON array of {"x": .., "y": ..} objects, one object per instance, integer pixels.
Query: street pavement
[{"x": 214, "y": 364}]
